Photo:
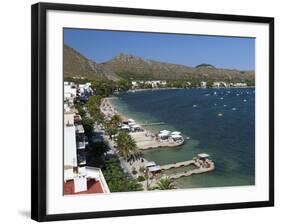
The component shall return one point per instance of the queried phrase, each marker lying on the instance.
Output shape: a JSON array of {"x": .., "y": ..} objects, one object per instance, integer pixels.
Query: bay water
[{"x": 219, "y": 122}]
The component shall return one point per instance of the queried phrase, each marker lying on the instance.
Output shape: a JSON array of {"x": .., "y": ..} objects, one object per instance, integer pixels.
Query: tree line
[{"x": 90, "y": 116}]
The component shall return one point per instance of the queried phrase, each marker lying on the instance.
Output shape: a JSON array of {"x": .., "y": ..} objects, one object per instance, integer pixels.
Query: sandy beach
[{"x": 144, "y": 139}]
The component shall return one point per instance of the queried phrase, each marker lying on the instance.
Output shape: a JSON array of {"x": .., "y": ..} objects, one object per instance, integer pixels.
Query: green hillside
[{"x": 130, "y": 67}]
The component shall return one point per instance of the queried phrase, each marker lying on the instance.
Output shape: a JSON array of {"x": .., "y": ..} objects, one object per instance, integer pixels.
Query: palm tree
[
  {"x": 126, "y": 145},
  {"x": 115, "y": 120},
  {"x": 166, "y": 184}
]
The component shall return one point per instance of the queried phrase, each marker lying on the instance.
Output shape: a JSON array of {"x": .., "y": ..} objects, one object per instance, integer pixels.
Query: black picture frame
[{"x": 39, "y": 122}]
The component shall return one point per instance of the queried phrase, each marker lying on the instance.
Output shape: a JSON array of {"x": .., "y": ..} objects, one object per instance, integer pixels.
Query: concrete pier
[
  {"x": 191, "y": 172},
  {"x": 209, "y": 166}
]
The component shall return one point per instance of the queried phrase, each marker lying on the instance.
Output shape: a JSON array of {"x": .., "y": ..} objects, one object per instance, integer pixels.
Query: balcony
[
  {"x": 81, "y": 145},
  {"x": 81, "y": 160}
]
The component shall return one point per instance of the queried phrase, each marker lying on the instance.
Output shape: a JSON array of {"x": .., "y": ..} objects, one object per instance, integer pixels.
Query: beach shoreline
[
  {"x": 144, "y": 139},
  {"x": 178, "y": 88}
]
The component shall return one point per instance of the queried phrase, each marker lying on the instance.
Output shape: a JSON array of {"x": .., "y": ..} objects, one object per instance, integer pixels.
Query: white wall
[{"x": 15, "y": 109}]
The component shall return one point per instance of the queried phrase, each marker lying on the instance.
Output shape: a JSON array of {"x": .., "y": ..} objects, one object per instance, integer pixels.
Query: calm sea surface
[{"x": 220, "y": 122}]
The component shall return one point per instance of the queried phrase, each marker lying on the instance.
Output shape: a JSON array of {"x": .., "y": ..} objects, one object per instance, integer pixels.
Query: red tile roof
[{"x": 93, "y": 186}]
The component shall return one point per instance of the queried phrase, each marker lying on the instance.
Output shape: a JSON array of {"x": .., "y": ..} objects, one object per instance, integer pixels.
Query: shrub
[{"x": 141, "y": 178}]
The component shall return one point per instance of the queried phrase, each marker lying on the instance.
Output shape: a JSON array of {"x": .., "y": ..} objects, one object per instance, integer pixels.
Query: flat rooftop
[{"x": 93, "y": 186}]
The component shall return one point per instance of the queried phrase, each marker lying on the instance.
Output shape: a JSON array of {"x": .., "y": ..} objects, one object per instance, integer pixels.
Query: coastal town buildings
[
  {"x": 86, "y": 180},
  {"x": 153, "y": 83},
  {"x": 239, "y": 84},
  {"x": 84, "y": 91},
  {"x": 78, "y": 177},
  {"x": 224, "y": 84},
  {"x": 221, "y": 84},
  {"x": 216, "y": 84},
  {"x": 203, "y": 84},
  {"x": 134, "y": 84},
  {"x": 70, "y": 92},
  {"x": 81, "y": 91}
]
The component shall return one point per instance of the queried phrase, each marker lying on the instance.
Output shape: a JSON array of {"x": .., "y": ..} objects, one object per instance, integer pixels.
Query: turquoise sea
[{"x": 220, "y": 122}]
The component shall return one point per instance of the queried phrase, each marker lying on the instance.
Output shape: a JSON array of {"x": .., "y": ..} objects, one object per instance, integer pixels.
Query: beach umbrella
[
  {"x": 176, "y": 136},
  {"x": 175, "y": 133},
  {"x": 165, "y": 132}
]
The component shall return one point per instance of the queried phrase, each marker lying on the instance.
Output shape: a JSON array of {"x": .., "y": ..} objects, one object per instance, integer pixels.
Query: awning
[
  {"x": 136, "y": 126},
  {"x": 154, "y": 168},
  {"x": 176, "y": 136},
  {"x": 165, "y": 132},
  {"x": 203, "y": 155},
  {"x": 175, "y": 133},
  {"x": 150, "y": 164},
  {"x": 125, "y": 127}
]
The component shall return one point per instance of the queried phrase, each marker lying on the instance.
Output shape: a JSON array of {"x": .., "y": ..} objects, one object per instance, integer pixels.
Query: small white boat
[
  {"x": 187, "y": 137},
  {"x": 244, "y": 100},
  {"x": 220, "y": 114},
  {"x": 233, "y": 108},
  {"x": 194, "y": 105}
]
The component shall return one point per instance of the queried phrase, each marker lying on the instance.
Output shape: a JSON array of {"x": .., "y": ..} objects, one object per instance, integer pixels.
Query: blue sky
[{"x": 190, "y": 50}]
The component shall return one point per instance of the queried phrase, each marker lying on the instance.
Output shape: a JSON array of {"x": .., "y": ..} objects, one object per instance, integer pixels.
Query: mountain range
[{"x": 131, "y": 67}]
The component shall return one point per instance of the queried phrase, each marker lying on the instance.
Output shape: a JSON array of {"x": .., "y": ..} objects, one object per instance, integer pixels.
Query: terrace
[{"x": 85, "y": 181}]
